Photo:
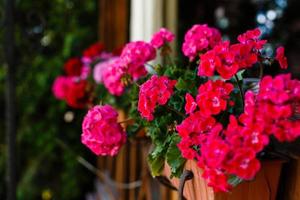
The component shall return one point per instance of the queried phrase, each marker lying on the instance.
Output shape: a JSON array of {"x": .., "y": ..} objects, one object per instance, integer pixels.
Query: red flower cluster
[
  {"x": 92, "y": 52},
  {"x": 251, "y": 38},
  {"x": 131, "y": 62},
  {"x": 274, "y": 107},
  {"x": 73, "y": 88},
  {"x": 227, "y": 59},
  {"x": 223, "y": 140},
  {"x": 222, "y": 152},
  {"x": 73, "y": 67},
  {"x": 203, "y": 139},
  {"x": 134, "y": 57},
  {"x": 156, "y": 90},
  {"x": 280, "y": 57},
  {"x": 198, "y": 39},
  {"x": 78, "y": 94},
  {"x": 213, "y": 97},
  {"x": 74, "y": 91}
]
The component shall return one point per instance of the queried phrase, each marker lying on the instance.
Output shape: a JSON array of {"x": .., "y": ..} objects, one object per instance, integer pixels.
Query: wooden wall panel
[
  {"x": 290, "y": 181},
  {"x": 113, "y": 22}
]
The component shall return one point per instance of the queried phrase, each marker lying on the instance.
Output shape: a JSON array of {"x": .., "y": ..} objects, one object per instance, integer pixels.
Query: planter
[{"x": 263, "y": 187}]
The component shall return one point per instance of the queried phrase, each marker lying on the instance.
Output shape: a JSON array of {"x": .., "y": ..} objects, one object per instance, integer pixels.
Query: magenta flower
[
  {"x": 100, "y": 68},
  {"x": 60, "y": 86},
  {"x": 92, "y": 53},
  {"x": 161, "y": 37},
  {"x": 280, "y": 57},
  {"x": 85, "y": 72},
  {"x": 190, "y": 104},
  {"x": 199, "y": 38},
  {"x": 244, "y": 163},
  {"x": 213, "y": 96},
  {"x": 135, "y": 55},
  {"x": 112, "y": 77},
  {"x": 129, "y": 65},
  {"x": 155, "y": 91},
  {"x": 101, "y": 132},
  {"x": 252, "y": 38}
]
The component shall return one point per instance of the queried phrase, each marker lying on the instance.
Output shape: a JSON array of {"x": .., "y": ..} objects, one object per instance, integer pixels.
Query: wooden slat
[
  {"x": 120, "y": 172},
  {"x": 133, "y": 170},
  {"x": 113, "y": 22},
  {"x": 291, "y": 181},
  {"x": 263, "y": 187}
]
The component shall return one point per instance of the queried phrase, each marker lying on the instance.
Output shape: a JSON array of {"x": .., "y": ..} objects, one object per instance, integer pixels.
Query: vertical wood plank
[
  {"x": 263, "y": 187},
  {"x": 113, "y": 23},
  {"x": 291, "y": 190},
  {"x": 132, "y": 168},
  {"x": 120, "y": 172}
]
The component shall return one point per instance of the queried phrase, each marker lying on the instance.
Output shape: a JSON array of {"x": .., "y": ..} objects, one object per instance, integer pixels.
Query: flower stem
[
  {"x": 151, "y": 66},
  {"x": 169, "y": 60},
  {"x": 240, "y": 89},
  {"x": 176, "y": 111},
  {"x": 136, "y": 84},
  {"x": 125, "y": 121},
  {"x": 261, "y": 70}
]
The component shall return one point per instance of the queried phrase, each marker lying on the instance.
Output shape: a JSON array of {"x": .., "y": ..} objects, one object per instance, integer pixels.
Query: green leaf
[
  {"x": 181, "y": 84},
  {"x": 174, "y": 158},
  {"x": 234, "y": 180},
  {"x": 240, "y": 74},
  {"x": 168, "y": 72},
  {"x": 131, "y": 130},
  {"x": 189, "y": 75},
  {"x": 156, "y": 164},
  {"x": 158, "y": 150}
]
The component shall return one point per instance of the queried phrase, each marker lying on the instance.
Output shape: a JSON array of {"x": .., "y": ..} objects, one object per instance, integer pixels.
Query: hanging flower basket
[
  {"x": 218, "y": 111},
  {"x": 262, "y": 187}
]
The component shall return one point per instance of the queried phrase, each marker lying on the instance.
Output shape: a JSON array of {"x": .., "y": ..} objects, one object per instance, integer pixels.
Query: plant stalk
[
  {"x": 240, "y": 89},
  {"x": 175, "y": 111}
]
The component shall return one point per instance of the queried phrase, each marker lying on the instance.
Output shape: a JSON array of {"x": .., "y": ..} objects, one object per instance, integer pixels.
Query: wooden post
[{"x": 113, "y": 23}]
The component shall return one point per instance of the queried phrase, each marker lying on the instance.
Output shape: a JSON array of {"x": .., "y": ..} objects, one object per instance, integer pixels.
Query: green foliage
[
  {"x": 47, "y": 33},
  {"x": 234, "y": 180},
  {"x": 165, "y": 150},
  {"x": 156, "y": 163},
  {"x": 174, "y": 158}
]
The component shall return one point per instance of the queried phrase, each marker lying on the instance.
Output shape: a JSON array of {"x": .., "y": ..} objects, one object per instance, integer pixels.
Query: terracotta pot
[{"x": 263, "y": 187}]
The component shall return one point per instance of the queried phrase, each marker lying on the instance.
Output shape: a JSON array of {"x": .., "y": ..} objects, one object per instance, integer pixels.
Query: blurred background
[{"x": 47, "y": 33}]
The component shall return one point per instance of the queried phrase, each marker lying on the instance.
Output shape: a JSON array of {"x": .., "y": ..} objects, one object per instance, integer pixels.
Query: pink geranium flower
[
  {"x": 60, "y": 86},
  {"x": 161, "y": 37},
  {"x": 101, "y": 132},
  {"x": 134, "y": 57},
  {"x": 112, "y": 77},
  {"x": 100, "y": 68},
  {"x": 199, "y": 38}
]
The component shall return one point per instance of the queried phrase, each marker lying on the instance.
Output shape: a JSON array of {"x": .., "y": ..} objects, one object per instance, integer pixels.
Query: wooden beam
[{"x": 113, "y": 23}]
